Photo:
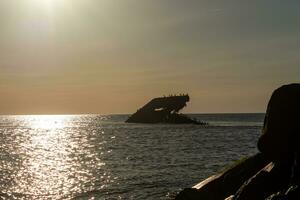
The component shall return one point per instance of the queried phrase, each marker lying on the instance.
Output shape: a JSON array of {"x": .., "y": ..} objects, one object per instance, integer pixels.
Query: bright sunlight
[{"x": 49, "y": 5}]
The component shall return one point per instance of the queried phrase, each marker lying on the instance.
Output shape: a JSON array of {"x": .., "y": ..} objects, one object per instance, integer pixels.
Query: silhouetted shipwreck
[{"x": 164, "y": 110}]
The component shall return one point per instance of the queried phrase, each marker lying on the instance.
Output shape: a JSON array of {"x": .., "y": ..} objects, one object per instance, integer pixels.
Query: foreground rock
[
  {"x": 273, "y": 174},
  {"x": 227, "y": 183}
]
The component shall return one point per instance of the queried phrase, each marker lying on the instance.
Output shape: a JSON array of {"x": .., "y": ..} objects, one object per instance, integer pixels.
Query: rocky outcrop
[{"x": 273, "y": 174}]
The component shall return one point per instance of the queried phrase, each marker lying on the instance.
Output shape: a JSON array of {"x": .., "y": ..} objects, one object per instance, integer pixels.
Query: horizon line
[{"x": 70, "y": 114}]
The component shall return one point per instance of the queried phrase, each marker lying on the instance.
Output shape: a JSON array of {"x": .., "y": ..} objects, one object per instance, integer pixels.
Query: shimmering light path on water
[
  {"x": 51, "y": 156},
  {"x": 92, "y": 156}
]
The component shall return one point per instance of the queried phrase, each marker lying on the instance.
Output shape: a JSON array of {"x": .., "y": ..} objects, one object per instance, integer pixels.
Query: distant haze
[{"x": 112, "y": 56}]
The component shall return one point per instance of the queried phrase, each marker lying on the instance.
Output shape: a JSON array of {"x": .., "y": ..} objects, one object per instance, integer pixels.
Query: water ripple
[{"x": 93, "y": 156}]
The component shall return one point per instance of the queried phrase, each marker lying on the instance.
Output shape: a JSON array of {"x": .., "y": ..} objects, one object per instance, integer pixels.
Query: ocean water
[{"x": 101, "y": 157}]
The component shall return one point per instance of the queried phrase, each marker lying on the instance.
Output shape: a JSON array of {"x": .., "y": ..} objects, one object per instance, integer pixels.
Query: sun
[{"x": 49, "y": 5}]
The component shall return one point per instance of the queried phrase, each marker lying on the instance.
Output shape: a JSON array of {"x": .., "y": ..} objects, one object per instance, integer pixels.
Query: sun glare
[
  {"x": 48, "y": 122},
  {"x": 49, "y": 5}
]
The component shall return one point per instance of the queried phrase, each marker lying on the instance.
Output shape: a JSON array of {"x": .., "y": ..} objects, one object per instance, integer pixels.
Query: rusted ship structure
[{"x": 164, "y": 110}]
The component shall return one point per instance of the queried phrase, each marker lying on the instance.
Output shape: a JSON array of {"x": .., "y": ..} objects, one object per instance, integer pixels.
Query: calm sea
[{"x": 101, "y": 157}]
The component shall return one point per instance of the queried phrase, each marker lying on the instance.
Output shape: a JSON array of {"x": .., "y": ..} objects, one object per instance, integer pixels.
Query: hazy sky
[{"x": 112, "y": 56}]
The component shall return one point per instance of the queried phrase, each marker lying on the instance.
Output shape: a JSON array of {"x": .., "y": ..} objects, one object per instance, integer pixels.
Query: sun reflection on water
[
  {"x": 48, "y": 122},
  {"x": 58, "y": 159},
  {"x": 46, "y": 167}
]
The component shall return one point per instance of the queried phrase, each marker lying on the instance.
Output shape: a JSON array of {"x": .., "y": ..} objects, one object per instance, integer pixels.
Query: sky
[{"x": 112, "y": 56}]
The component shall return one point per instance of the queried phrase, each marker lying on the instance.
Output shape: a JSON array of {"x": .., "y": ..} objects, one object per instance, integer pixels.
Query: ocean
[{"x": 101, "y": 157}]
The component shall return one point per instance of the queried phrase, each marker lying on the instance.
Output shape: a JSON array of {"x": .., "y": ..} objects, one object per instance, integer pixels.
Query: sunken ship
[{"x": 164, "y": 110}]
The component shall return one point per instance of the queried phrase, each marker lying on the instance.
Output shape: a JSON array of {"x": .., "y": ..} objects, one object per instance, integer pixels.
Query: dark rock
[
  {"x": 189, "y": 194},
  {"x": 227, "y": 183},
  {"x": 271, "y": 179},
  {"x": 281, "y": 129},
  {"x": 293, "y": 193}
]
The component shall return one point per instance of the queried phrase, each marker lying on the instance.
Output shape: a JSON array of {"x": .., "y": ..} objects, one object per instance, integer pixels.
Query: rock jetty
[{"x": 273, "y": 173}]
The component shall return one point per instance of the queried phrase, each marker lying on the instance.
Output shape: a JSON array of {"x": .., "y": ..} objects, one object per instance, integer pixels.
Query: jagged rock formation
[
  {"x": 163, "y": 110},
  {"x": 273, "y": 174}
]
